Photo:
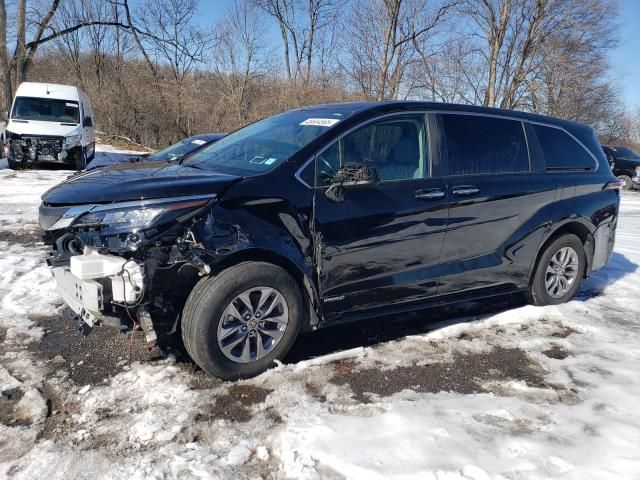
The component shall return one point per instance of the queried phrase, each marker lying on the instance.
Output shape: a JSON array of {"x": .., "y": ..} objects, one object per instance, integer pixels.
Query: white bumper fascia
[{"x": 82, "y": 283}]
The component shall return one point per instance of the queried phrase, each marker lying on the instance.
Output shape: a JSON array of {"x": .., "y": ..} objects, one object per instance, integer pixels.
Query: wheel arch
[
  {"x": 623, "y": 171},
  {"x": 305, "y": 283},
  {"x": 576, "y": 228}
]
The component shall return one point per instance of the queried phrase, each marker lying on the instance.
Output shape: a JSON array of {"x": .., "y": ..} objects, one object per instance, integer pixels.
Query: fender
[
  {"x": 593, "y": 223},
  {"x": 266, "y": 229}
]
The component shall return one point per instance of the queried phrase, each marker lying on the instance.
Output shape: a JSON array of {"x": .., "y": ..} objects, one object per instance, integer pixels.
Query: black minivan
[
  {"x": 332, "y": 213},
  {"x": 625, "y": 163}
]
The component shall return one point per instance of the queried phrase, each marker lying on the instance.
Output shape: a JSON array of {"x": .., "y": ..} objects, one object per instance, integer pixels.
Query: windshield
[
  {"x": 626, "y": 152},
  {"x": 178, "y": 150},
  {"x": 265, "y": 144},
  {"x": 46, "y": 110}
]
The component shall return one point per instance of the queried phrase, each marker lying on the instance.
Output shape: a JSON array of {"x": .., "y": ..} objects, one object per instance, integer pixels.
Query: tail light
[{"x": 614, "y": 185}]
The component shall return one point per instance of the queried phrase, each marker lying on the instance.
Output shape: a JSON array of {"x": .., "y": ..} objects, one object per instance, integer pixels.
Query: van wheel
[
  {"x": 627, "y": 183},
  {"x": 13, "y": 165},
  {"x": 234, "y": 325},
  {"x": 79, "y": 159},
  {"x": 559, "y": 272}
]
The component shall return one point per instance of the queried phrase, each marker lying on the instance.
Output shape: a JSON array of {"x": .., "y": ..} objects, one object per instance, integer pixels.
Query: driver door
[{"x": 380, "y": 245}]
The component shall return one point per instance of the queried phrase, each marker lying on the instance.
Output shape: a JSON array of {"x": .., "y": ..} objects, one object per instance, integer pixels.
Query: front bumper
[
  {"x": 84, "y": 297},
  {"x": 96, "y": 286},
  {"x": 29, "y": 149}
]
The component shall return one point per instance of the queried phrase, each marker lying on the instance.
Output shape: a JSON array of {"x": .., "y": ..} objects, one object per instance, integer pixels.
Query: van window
[
  {"x": 46, "y": 110},
  {"x": 395, "y": 146},
  {"x": 561, "y": 151},
  {"x": 479, "y": 144}
]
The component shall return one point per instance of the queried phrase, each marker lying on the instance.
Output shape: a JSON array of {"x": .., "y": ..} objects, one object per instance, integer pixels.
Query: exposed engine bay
[
  {"x": 124, "y": 264},
  {"x": 27, "y": 149}
]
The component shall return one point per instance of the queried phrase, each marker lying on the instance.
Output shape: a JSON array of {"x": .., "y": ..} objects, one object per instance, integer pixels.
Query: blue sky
[{"x": 625, "y": 59}]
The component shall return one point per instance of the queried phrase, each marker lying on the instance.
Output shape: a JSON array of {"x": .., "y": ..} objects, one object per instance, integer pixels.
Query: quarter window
[
  {"x": 395, "y": 146},
  {"x": 561, "y": 151},
  {"x": 478, "y": 144}
]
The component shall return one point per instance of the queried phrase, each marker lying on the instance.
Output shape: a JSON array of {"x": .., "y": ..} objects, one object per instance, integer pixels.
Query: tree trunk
[
  {"x": 531, "y": 43},
  {"x": 5, "y": 71},
  {"x": 393, "y": 13},
  {"x": 21, "y": 52},
  {"x": 498, "y": 30}
]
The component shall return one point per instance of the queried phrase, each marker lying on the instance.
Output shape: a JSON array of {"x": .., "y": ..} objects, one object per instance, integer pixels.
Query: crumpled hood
[
  {"x": 136, "y": 181},
  {"x": 35, "y": 128}
]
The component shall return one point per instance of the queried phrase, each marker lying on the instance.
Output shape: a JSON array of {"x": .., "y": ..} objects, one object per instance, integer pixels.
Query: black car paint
[
  {"x": 143, "y": 180},
  {"x": 622, "y": 164},
  {"x": 382, "y": 250}
]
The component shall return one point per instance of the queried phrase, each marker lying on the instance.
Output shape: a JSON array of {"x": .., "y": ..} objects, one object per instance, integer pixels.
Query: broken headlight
[
  {"x": 121, "y": 219},
  {"x": 122, "y": 225},
  {"x": 72, "y": 140}
]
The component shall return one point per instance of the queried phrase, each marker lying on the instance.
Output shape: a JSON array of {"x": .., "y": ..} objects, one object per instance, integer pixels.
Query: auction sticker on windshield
[{"x": 320, "y": 122}]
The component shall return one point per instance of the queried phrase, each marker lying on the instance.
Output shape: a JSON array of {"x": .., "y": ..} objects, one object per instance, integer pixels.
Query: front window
[
  {"x": 396, "y": 146},
  {"x": 46, "y": 110},
  {"x": 263, "y": 145}
]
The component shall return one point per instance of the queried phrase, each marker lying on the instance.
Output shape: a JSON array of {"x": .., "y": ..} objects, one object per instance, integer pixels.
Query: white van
[{"x": 50, "y": 123}]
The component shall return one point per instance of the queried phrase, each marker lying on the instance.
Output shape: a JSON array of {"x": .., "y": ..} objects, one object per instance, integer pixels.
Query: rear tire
[
  {"x": 210, "y": 327},
  {"x": 627, "y": 183},
  {"x": 559, "y": 271}
]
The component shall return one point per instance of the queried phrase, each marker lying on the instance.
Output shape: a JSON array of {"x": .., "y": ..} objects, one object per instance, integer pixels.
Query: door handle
[
  {"x": 429, "y": 194},
  {"x": 465, "y": 190}
]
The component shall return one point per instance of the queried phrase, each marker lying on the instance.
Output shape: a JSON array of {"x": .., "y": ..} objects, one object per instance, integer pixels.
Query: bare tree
[
  {"x": 448, "y": 73},
  {"x": 300, "y": 24},
  {"x": 516, "y": 35},
  {"x": 4, "y": 60},
  {"x": 493, "y": 18},
  {"x": 155, "y": 75},
  {"x": 41, "y": 24},
  {"x": 383, "y": 35},
  {"x": 240, "y": 56}
]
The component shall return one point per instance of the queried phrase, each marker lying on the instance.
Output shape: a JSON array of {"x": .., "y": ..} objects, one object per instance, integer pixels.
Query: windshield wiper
[{"x": 192, "y": 165}]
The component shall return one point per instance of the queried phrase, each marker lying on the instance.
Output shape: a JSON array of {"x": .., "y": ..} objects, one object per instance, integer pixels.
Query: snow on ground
[{"x": 527, "y": 393}]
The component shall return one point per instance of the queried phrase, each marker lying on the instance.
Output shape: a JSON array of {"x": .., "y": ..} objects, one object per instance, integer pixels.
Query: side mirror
[
  {"x": 351, "y": 175},
  {"x": 87, "y": 122}
]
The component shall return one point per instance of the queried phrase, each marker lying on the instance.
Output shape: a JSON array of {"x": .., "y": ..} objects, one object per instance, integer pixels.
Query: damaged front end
[
  {"x": 32, "y": 149},
  {"x": 122, "y": 264}
]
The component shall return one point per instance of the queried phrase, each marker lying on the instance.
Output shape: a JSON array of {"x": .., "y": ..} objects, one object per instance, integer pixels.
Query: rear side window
[
  {"x": 561, "y": 151},
  {"x": 478, "y": 144}
]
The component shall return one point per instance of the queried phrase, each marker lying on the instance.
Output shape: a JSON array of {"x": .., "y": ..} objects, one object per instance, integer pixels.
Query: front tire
[
  {"x": 559, "y": 271},
  {"x": 13, "y": 165},
  {"x": 234, "y": 325},
  {"x": 79, "y": 161}
]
